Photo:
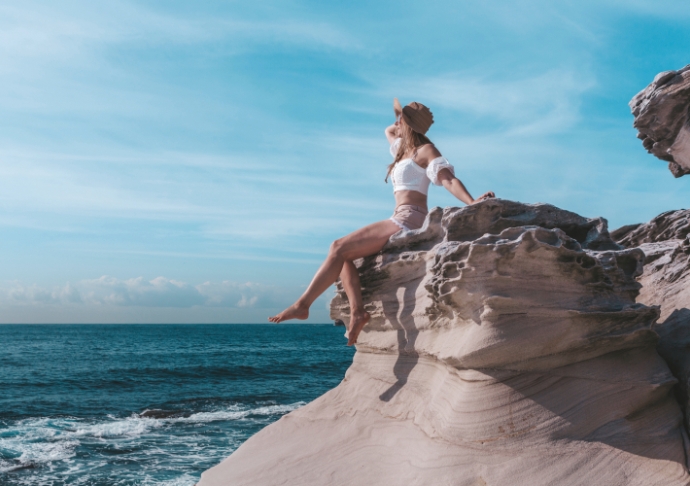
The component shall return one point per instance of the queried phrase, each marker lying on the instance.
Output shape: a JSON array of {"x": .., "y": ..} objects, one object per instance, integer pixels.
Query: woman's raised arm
[{"x": 392, "y": 132}]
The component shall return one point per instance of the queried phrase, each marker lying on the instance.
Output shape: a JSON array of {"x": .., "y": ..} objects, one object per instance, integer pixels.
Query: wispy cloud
[
  {"x": 103, "y": 61},
  {"x": 46, "y": 30},
  {"x": 240, "y": 195},
  {"x": 538, "y": 104},
  {"x": 665, "y": 9}
]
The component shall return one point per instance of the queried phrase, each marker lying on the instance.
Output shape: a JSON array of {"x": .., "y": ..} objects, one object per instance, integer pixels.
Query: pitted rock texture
[
  {"x": 665, "y": 240},
  {"x": 661, "y": 118},
  {"x": 505, "y": 348}
]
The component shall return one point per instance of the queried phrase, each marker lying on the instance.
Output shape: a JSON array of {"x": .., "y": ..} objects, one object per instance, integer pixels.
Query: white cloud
[
  {"x": 33, "y": 294},
  {"x": 139, "y": 292},
  {"x": 159, "y": 292},
  {"x": 233, "y": 294}
]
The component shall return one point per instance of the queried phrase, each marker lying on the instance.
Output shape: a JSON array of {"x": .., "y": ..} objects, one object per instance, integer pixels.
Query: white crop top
[{"x": 408, "y": 176}]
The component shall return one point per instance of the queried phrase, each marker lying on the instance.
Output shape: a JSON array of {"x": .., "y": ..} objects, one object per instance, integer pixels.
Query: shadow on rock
[
  {"x": 674, "y": 343},
  {"x": 399, "y": 313}
]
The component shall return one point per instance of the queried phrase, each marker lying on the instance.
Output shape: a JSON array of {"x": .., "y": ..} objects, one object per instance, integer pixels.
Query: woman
[{"x": 417, "y": 163}]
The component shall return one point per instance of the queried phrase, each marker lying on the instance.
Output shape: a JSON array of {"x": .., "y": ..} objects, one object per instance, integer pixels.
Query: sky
[{"x": 190, "y": 162}]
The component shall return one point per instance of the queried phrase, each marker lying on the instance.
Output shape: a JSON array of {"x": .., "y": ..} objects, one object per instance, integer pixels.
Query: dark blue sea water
[{"x": 150, "y": 404}]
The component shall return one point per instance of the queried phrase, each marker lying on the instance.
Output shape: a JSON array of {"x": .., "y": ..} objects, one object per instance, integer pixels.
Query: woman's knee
[{"x": 337, "y": 248}]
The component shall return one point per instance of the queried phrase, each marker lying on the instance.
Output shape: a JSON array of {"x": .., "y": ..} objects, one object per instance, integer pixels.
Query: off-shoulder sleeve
[
  {"x": 394, "y": 147},
  {"x": 436, "y": 166}
]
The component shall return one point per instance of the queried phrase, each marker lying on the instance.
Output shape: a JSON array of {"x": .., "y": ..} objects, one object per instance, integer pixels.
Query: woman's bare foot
[
  {"x": 295, "y": 311},
  {"x": 357, "y": 322}
]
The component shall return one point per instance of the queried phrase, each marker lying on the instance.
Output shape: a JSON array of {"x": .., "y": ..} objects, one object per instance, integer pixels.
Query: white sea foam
[
  {"x": 231, "y": 414},
  {"x": 35, "y": 453},
  {"x": 48, "y": 428},
  {"x": 36, "y": 441},
  {"x": 184, "y": 480},
  {"x": 129, "y": 427}
]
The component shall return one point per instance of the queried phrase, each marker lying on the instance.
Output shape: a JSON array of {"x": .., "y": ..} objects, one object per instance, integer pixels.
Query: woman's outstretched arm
[
  {"x": 458, "y": 189},
  {"x": 429, "y": 152}
]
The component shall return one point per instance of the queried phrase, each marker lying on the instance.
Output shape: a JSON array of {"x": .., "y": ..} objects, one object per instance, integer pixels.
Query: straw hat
[{"x": 416, "y": 115}]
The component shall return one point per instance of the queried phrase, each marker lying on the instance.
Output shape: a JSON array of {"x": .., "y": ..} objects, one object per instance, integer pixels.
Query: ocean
[{"x": 150, "y": 404}]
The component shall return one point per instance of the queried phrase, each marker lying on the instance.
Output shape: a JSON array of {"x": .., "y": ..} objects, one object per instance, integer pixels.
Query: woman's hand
[{"x": 484, "y": 197}]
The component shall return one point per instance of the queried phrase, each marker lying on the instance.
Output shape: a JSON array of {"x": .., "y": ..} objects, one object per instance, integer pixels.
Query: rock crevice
[{"x": 665, "y": 240}]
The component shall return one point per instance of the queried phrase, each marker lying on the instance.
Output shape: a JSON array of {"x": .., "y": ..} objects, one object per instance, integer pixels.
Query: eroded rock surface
[
  {"x": 505, "y": 348},
  {"x": 665, "y": 240},
  {"x": 661, "y": 118}
]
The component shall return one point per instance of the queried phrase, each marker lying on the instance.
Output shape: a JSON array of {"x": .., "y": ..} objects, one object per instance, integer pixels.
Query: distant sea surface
[{"x": 150, "y": 404}]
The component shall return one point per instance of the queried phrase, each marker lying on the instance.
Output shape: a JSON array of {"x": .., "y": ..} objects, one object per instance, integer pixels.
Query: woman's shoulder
[{"x": 427, "y": 152}]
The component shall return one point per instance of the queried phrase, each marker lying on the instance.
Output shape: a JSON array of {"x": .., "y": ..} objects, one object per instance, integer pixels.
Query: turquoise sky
[{"x": 170, "y": 161}]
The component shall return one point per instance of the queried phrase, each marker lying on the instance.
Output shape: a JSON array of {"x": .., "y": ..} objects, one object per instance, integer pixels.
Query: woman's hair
[{"x": 410, "y": 140}]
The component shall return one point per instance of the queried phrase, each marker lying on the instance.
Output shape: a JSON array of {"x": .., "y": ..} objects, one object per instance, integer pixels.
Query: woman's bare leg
[
  {"x": 363, "y": 242},
  {"x": 353, "y": 288}
]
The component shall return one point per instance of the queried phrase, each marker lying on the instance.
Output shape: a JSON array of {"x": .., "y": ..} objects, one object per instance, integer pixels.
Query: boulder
[
  {"x": 661, "y": 118},
  {"x": 505, "y": 348}
]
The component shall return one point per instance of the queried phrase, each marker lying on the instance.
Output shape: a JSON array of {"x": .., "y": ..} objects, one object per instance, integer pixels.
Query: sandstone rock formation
[
  {"x": 661, "y": 117},
  {"x": 505, "y": 348},
  {"x": 665, "y": 240}
]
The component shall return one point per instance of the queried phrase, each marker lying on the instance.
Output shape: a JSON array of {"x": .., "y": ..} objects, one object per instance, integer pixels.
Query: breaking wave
[{"x": 31, "y": 443}]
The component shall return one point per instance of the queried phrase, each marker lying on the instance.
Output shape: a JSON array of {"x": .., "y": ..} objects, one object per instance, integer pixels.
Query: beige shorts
[{"x": 409, "y": 217}]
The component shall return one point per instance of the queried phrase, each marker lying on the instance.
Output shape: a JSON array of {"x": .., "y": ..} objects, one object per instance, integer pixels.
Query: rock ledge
[{"x": 505, "y": 347}]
